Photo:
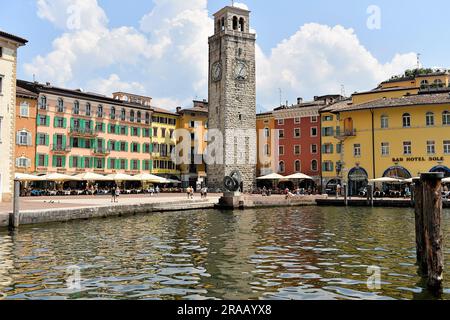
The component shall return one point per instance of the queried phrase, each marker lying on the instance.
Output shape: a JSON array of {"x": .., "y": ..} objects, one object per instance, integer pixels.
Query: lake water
[{"x": 304, "y": 253}]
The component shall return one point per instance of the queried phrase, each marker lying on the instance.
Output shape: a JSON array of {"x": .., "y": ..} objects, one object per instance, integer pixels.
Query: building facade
[
  {"x": 80, "y": 132},
  {"x": 232, "y": 96},
  {"x": 9, "y": 45},
  {"x": 195, "y": 121},
  {"x": 267, "y": 144},
  {"x": 25, "y": 139}
]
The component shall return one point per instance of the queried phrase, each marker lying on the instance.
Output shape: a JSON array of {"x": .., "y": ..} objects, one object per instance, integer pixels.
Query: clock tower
[{"x": 232, "y": 97}]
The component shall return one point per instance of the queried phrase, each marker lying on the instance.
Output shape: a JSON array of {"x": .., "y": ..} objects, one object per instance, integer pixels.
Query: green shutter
[
  {"x": 55, "y": 120},
  {"x": 72, "y": 123},
  {"x": 37, "y": 120},
  {"x": 332, "y": 148},
  {"x": 138, "y": 132},
  {"x": 109, "y": 128},
  {"x": 139, "y": 164},
  {"x": 54, "y": 161},
  {"x": 36, "y": 160},
  {"x": 126, "y": 164},
  {"x": 323, "y": 149},
  {"x": 54, "y": 140},
  {"x": 126, "y": 147},
  {"x": 63, "y": 161},
  {"x": 338, "y": 131},
  {"x": 46, "y": 160},
  {"x": 64, "y": 141},
  {"x": 332, "y": 166},
  {"x": 126, "y": 130},
  {"x": 138, "y": 147},
  {"x": 47, "y": 140},
  {"x": 82, "y": 124},
  {"x": 71, "y": 162}
]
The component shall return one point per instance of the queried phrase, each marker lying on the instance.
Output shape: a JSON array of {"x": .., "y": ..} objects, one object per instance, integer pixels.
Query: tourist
[
  {"x": 152, "y": 191},
  {"x": 264, "y": 192},
  {"x": 117, "y": 193},
  {"x": 338, "y": 190},
  {"x": 157, "y": 190},
  {"x": 113, "y": 194},
  {"x": 204, "y": 193},
  {"x": 192, "y": 193}
]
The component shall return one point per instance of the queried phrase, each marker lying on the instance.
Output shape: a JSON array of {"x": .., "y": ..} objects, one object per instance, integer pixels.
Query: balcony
[
  {"x": 60, "y": 149},
  {"x": 347, "y": 133},
  {"x": 80, "y": 132},
  {"x": 101, "y": 151}
]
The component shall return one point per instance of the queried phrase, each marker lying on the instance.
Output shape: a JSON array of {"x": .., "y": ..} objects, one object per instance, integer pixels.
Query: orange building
[
  {"x": 25, "y": 139},
  {"x": 267, "y": 144}
]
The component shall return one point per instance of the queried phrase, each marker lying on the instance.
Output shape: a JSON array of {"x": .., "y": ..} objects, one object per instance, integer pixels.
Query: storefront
[
  {"x": 358, "y": 179},
  {"x": 397, "y": 172}
]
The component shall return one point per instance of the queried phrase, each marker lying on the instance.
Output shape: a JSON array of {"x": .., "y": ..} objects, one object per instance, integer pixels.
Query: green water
[{"x": 305, "y": 253}]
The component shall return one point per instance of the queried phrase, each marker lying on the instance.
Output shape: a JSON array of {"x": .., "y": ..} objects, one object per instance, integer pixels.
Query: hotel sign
[{"x": 418, "y": 159}]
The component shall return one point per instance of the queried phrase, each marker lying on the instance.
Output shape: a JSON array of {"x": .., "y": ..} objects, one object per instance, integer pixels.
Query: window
[
  {"x": 297, "y": 133},
  {"x": 297, "y": 166},
  {"x": 42, "y": 120},
  {"x": 266, "y": 132},
  {"x": 281, "y": 134},
  {"x": 88, "y": 109},
  {"x": 59, "y": 122},
  {"x": 147, "y": 165},
  {"x": 430, "y": 119},
  {"x": 314, "y": 119},
  {"x": 60, "y": 106},
  {"x": 123, "y": 115},
  {"x": 407, "y": 148},
  {"x": 76, "y": 108},
  {"x": 41, "y": 160},
  {"x": 59, "y": 162},
  {"x": 314, "y": 165},
  {"x": 23, "y": 138},
  {"x": 134, "y": 132},
  {"x": 431, "y": 147},
  {"x": 314, "y": 149},
  {"x": 23, "y": 162},
  {"x": 155, "y": 132},
  {"x": 123, "y": 146},
  {"x": 100, "y": 111},
  {"x": 281, "y": 167},
  {"x": 139, "y": 117},
  {"x": 123, "y": 130},
  {"x": 297, "y": 120},
  {"x": 99, "y": 163},
  {"x": 99, "y": 127},
  {"x": 328, "y": 131},
  {"x": 281, "y": 150},
  {"x": 424, "y": 84},
  {"x": 75, "y": 162},
  {"x": 328, "y": 166},
  {"x": 406, "y": 120},
  {"x": 123, "y": 164},
  {"x": 192, "y": 124},
  {"x": 447, "y": 146},
  {"x": 43, "y": 103},
  {"x": 385, "y": 149},
  {"x": 328, "y": 148},
  {"x": 384, "y": 122},
  {"x": 87, "y": 162},
  {"x": 134, "y": 147},
  {"x": 339, "y": 148},
  {"x": 314, "y": 132},
  {"x": 446, "y": 118},
  {"x": 281, "y": 122},
  {"x": 172, "y": 133},
  {"x": 42, "y": 139},
  {"x": 328, "y": 118},
  {"x": 357, "y": 150},
  {"x": 163, "y": 132},
  {"x": 87, "y": 144},
  {"x": 146, "y": 148},
  {"x": 438, "y": 83},
  {"x": 112, "y": 113},
  {"x": 146, "y": 133},
  {"x": 131, "y": 116},
  {"x": 297, "y": 150},
  {"x": 147, "y": 118},
  {"x": 266, "y": 150}
]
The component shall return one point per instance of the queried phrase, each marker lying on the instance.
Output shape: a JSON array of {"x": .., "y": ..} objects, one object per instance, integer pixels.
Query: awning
[
  {"x": 298, "y": 176},
  {"x": 273, "y": 176},
  {"x": 27, "y": 177}
]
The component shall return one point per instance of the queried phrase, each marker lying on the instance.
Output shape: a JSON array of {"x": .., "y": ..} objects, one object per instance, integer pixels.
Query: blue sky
[{"x": 315, "y": 60}]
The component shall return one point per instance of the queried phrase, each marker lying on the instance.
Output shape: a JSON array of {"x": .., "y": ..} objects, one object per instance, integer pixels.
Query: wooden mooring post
[
  {"x": 346, "y": 194},
  {"x": 14, "y": 217},
  {"x": 429, "y": 234}
]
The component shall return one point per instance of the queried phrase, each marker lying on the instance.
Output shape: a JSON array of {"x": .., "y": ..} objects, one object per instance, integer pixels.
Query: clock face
[
  {"x": 240, "y": 71},
  {"x": 216, "y": 71}
]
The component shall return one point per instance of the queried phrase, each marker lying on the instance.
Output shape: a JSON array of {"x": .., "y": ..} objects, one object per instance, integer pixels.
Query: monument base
[{"x": 231, "y": 200}]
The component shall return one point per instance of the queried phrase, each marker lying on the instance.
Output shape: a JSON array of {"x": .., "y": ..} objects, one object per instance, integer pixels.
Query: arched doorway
[
  {"x": 445, "y": 170},
  {"x": 357, "y": 180},
  {"x": 397, "y": 172},
  {"x": 331, "y": 186}
]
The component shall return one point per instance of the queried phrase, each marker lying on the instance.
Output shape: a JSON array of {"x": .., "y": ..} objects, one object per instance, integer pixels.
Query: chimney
[
  {"x": 47, "y": 84},
  {"x": 299, "y": 100},
  {"x": 316, "y": 98},
  {"x": 178, "y": 109}
]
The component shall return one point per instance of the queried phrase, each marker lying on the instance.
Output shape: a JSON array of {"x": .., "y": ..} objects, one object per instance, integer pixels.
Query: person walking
[
  {"x": 113, "y": 194},
  {"x": 117, "y": 193}
]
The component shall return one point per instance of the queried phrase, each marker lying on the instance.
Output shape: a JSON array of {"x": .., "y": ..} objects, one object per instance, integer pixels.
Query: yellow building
[
  {"x": 369, "y": 136},
  {"x": 393, "y": 137},
  {"x": 266, "y": 135},
  {"x": 194, "y": 120},
  {"x": 164, "y": 124}
]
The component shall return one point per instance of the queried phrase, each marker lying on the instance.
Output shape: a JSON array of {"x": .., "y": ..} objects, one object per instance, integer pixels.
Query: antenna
[
  {"x": 279, "y": 89},
  {"x": 343, "y": 90}
]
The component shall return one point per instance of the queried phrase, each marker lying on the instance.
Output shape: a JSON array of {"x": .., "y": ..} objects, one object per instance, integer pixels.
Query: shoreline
[{"x": 71, "y": 209}]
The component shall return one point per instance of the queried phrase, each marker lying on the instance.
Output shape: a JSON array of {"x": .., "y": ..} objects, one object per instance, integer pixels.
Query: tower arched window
[
  {"x": 147, "y": 118},
  {"x": 60, "y": 106},
  {"x": 139, "y": 116},
  {"x": 88, "y": 109},
  {"x": 123, "y": 115},
  {"x": 43, "y": 103},
  {"x": 314, "y": 165},
  {"x": 235, "y": 23},
  {"x": 113, "y": 113},
  {"x": 406, "y": 120},
  {"x": 438, "y": 83},
  {"x": 132, "y": 116},
  {"x": 222, "y": 23},
  {"x": 100, "y": 111},
  {"x": 424, "y": 84},
  {"x": 241, "y": 24}
]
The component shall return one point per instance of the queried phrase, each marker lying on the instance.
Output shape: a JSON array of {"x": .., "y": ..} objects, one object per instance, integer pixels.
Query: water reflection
[{"x": 307, "y": 253}]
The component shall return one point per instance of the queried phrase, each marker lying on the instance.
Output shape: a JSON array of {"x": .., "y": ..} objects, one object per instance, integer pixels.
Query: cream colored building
[{"x": 8, "y": 69}]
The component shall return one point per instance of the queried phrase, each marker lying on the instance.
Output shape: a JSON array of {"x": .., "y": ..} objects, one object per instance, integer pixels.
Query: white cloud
[
  {"x": 317, "y": 60},
  {"x": 167, "y": 57},
  {"x": 241, "y": 5},
  {"x": 114, "y": 84}
]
